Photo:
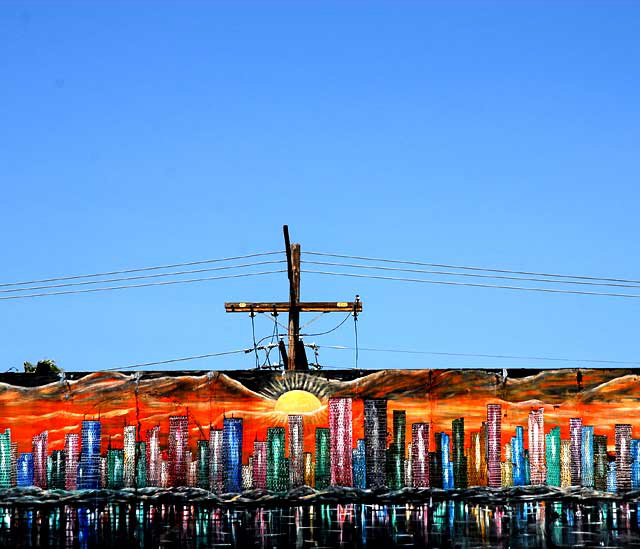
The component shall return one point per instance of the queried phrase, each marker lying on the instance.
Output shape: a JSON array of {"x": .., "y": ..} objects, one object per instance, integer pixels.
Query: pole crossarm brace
[{"x": 304, "y": 307}]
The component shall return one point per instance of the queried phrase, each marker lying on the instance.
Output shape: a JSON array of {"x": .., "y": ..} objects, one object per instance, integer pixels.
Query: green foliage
[{"x": 44, "y": 366}]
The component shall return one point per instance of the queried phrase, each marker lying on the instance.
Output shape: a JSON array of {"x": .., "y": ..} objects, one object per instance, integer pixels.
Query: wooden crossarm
[{"x": 304, "y": 307}]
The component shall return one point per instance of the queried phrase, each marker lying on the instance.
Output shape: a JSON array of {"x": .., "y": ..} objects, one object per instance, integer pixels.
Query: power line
[
  {"x": 467, "y": 267},
  {"x": 165, "y": 283},
  {"x": 140, "y": 269},
  {"x": 142, "y": 277},
  {"x": 182, "y": 359},
  {"x": 450, "y": 273},
  {"x": 450, "y": 283},
  {"x": 331, "y": 330},
  {"x": 477, "y": 355}
]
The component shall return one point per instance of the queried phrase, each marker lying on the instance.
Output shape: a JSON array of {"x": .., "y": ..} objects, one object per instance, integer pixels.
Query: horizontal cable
[
  {"x": 477, "y": 355},
  {"x": 450, "y": 273},
  {"x": 182, "y": 359},
  {"x": 165, "y": 283},
  {"x": 467, "y": 267},
  {"x": 475, "y": 285},
  {"x": 142, "y": 277},
  {"x": 139, "y": 269}
]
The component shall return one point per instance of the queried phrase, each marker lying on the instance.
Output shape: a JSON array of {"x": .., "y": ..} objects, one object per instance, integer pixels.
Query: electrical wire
[
  {"x": 475, "y": 285},
  {"x": 182, "y": 359},
  {"x": 142, "y": 277},
  {"x": 467, "y": 267},
  {"x": 141, "y": 269},
  {"x": 331, "y": 330},
  {"x": 164, "y": 283},
  {"x": 450, "y": 273},
  {"x": 478, "y": 355}
]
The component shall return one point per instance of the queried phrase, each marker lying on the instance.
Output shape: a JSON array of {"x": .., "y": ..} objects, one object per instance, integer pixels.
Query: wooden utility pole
[{"x": 295, "y": 355}]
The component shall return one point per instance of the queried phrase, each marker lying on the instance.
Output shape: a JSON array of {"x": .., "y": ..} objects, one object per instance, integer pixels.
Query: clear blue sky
[{"x": 481, "y": 133}]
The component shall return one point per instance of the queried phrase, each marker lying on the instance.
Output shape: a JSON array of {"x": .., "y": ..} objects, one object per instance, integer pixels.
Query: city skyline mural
[{"x": 238, "y": 431}]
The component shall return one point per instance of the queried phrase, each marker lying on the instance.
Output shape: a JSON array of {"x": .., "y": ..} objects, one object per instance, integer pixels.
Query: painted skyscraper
[
  {"x": 296, "y": 451},
  {"x": 216, "y": 462},
  {"x": 203, "y": 465},
  {"x": 178, "y": 446},
  {"x": 89, "y": 466},
  {"x": 517, "y": 457},
  {"x": 277, "y": 475},
  {"x": 587, "y": 456},
  {"x": 575, "y": 431},
  {"x": 5, "y": 459},
  {"x": 71, "y": 455},
  {"x": 553, "y": 457},
  {"x": 375, "y": 441},
  {"x": 153, "y": 457},
  {"x": 25, "y": 470},
  {"x": 420, "y": 454},
  {"x": 459, "y": 459},
  {"x": 623, "y": 457},
  {"x": 260, "y": 465},
  {"x": 340, "y": 429},
  {"x": 232, "y": 454},
  {"x": 494, "y": 423},
  {"x": 323, "y": 458},
  {"x": 129, "y": 449},
  {"x": 536, "y": 447},
  {"x": 399, "y": 448},
  {"x": 40, "y": 452},
  {"x": 359, "y": 465}
]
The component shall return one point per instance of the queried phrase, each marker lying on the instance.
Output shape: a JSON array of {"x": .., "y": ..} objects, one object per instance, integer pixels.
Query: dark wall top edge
[{"x": 31, "y": 380}]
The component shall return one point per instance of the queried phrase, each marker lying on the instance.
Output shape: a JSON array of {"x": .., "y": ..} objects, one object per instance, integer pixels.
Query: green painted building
[
  {"x": 141, "y": 464},
  {"x": 115, "y": 468},
  {"x": 5, "y": 459},
  {"x": 277, "y": 474},
  {"x": 552, "y": 449},
  {"x": 323, "y": 460}
]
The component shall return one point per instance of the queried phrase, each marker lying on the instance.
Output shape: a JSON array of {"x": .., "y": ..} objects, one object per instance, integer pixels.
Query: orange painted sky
[{"x": 604, "y": 398}]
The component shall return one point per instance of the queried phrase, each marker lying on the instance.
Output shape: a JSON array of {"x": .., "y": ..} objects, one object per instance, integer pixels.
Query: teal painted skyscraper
[
  {"x": 587, "y": 456},
  {"x": 277, "y": 473},
  {"x": 141, "y": 464},
  {"x": 115, "y": 468},
  {"x": 553, "y": 456},
  {"x": 5, "y": 459},
  {"x": 400, "y": 441},
  {"x": 323, "y": 460}
]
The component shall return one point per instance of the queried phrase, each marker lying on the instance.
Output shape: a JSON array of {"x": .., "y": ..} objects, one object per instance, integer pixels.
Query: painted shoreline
[{"x": 33, "y": 497}]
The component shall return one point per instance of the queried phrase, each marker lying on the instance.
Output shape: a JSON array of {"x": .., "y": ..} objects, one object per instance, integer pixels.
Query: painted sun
[{"x": 298, "y": 402}]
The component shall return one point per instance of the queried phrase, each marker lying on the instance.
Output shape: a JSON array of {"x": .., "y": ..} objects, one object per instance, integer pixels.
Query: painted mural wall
[{"x": 232, "y": 431}]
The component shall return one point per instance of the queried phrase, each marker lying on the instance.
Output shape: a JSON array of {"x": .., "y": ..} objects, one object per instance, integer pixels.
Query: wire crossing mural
[{"x": 392, "y": 430}]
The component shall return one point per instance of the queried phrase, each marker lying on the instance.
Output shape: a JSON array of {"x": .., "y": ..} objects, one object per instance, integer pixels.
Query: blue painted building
[
  {"x": 89, "y": 466},
  {"x": 24, "y": 470},
  {"x": 232, "y": 454}
]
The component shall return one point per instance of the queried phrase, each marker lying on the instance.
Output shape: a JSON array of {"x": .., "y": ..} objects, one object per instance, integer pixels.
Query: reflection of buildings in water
[{"x": 437, "y": 524}]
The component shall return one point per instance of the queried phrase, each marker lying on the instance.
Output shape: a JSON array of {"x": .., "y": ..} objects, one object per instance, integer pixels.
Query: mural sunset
[{"x": 372, "y": 421}]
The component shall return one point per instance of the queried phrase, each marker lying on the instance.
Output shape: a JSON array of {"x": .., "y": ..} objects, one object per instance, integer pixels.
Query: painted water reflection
[{"x": 440, "y": 524}]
